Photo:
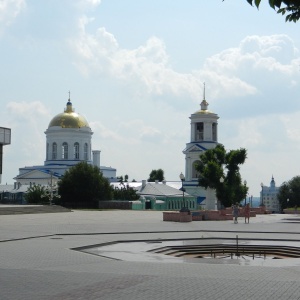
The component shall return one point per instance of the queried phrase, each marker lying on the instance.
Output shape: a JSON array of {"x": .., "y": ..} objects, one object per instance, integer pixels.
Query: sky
[{"x": 135, "y": 70}]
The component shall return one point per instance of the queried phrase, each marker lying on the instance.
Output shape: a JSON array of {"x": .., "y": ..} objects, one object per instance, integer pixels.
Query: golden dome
[{"x": 69, "y": 119}]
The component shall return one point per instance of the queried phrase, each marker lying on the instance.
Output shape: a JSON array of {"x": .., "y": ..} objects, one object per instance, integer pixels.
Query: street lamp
[
  {"x": 245, "y": 184},
  {"x": 262, "y": 198},
  {"x": 183, "y": 208},
  {"x": 218, "y": 201}
]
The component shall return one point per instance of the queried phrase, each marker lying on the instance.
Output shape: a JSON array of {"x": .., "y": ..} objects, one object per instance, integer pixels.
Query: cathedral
[{"x": 68, "y": 142}]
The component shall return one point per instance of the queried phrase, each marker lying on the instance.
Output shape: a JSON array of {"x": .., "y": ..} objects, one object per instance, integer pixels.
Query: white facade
[
  {"x": 5, "y": 139},
  {"x": 268, "y": 196},
  {"x": 68, "y": 142},
  {"x": 204, "y": 136}
]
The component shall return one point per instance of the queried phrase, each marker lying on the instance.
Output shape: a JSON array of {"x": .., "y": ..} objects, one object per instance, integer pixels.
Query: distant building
[
  {"x": 269, "y": 198},
  {"x": 68, "y": 142},
  {"x": 159, "y": 195}
]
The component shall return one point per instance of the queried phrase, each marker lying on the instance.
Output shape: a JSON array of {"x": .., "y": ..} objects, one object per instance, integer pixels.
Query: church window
[
  {"x": 85, "y": 151},
  {"x": 47, "y": 151},
  {"x": 64, "y": 150},
  {"x": 214, "y": 131},
  {"x": 54, "y": 151},
  {"x": 76, "y": 150},
  {"x": 199, "y": 132},
  {"x": 195, "y": 173}
]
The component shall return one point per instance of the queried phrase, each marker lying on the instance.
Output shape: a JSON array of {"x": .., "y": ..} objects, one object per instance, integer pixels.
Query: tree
[
  {"x": 125, "y": 193},
  {"x": 156, "y": 175},
  {"x": 35, "y": 194},
  {"x": 289, "y": 7},
  {"x": 289, "y": 193},
  {"x": 83, "y": 185},
  {"x": 228, "y": 185}
]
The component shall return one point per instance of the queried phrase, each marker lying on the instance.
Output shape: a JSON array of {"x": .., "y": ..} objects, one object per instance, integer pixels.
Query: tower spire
[
  {"x": 69, "y": 104},
  {"x": 204, "y": 103}
]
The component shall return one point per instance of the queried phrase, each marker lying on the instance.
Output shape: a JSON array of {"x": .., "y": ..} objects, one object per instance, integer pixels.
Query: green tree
[
  {"x": 125, "y": 193},
  {"x": 220, "y": 170},
  {"x": 289, "y": 193},
  {"x": 156, "y": 175},
  {"x": 83, "y": 185},
  {"x": 35, "y": 194},
  {"x": 289, "y": 7}
]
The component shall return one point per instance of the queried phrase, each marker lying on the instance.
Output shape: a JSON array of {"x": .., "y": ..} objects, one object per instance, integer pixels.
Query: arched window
[
  {"x": 199, "y": 132},
  {"x": 76, "y": 150},
  {"x": 47, "y": 151},
  {"x": 214, "y": 132},
  {"x": 194, "y": 171},
  {"x": 86, "y": 147},
  {"x": 64, "y": 150},
  {"x": 54, "y": 151}
]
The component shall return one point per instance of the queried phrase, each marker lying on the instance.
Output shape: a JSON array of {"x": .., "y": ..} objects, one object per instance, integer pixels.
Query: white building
[
  {"x": 204, "y": 136},
  {"x": 5, "y": 139},
  {"x": 268, "y": 196},
  {"x": 68, "y": 142}
]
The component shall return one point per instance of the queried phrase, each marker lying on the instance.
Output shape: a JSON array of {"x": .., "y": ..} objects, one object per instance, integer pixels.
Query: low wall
[
  {"x": 175, "y": 216},
  {"x": 291, "y": 211},
  {"x": 115, "y": 205}
]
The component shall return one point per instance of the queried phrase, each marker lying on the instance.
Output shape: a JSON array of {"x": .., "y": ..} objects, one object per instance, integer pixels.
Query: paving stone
[{"x": 36, "y": 260}]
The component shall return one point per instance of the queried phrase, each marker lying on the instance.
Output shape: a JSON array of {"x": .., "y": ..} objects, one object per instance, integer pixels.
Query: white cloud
[
  {"x": 232, "y": 75},
  {"x": 9, "y": 10},
  {"x": 146, "y": 67}
]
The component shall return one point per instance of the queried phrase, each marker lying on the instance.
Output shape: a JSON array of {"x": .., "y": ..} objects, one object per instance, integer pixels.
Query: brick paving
[{"x": 36, "y": 260}]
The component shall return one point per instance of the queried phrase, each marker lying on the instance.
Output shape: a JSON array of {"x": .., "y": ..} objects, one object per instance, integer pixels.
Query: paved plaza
[{"x": 38, "y": 260}]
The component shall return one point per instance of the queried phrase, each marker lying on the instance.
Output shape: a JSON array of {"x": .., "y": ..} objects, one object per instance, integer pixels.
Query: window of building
[
  {"x": 199, "y": 133},
  {"x": 86, "y": 147},
  {"x": 54, "y": 151},
  {"x": 47, "y": 151},
  {"x": 194, "y": 171},
  {"x": 64, "y": 150},
  {"x": 214, "y": 131},
  {"x": 76, "y": 150}
]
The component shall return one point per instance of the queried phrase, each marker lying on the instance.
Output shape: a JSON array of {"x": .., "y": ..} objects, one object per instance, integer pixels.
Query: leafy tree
[
  {"x": 121, "y": 180},
  {"x": 125, "y": 193},
  {"x": 35, "y": 194},
  {"x": 289, "y": 193},
  {"x": 156, "y": 175},
  {"x": 83, "y": 185},
  {"x": 289, "y": 7},
  {"x": 216, "y": 164}
]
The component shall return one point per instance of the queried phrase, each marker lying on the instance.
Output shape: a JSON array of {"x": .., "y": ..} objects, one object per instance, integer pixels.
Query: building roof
[
  {"x": 6, "y": 187},
  {"x": 159, "y": 189},
  {"x": 69, "y": 119}
]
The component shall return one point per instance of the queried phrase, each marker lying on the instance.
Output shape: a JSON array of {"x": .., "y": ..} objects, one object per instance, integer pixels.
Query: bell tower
[{"x": 203, "y": 136}]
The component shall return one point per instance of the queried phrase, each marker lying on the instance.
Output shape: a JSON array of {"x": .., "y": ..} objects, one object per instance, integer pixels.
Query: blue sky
[{"x": 136, "y": 69}]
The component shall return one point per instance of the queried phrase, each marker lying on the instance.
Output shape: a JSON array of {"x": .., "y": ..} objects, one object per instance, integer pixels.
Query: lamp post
[
  {"x": 218, "y": 203},
  {"x": 245, "y": 184},
  {"x": 183, "y": 208},
  {"x": 262, "y": 196}
]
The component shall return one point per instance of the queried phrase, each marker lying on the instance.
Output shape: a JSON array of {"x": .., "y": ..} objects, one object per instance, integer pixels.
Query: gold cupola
[{"x": 69, "y": 118}]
